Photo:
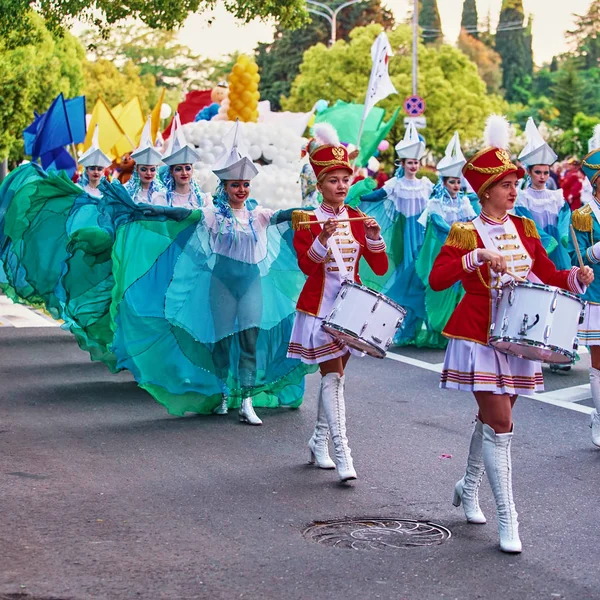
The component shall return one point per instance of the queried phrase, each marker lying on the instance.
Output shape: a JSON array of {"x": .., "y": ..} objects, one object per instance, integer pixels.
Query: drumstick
[
  {"x": 576, "y": 245},
  {"x": 301, "y": 218},
  {"x": 516, "y": 277}
]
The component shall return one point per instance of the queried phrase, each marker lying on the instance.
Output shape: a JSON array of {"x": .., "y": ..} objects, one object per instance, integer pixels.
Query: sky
[{"x": 551, "y": 18}]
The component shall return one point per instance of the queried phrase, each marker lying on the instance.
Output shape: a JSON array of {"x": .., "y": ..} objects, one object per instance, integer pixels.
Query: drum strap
[{"x": 335, "y": 250}]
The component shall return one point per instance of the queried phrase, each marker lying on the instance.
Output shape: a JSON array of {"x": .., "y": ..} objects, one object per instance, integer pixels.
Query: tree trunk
[{"x": 3, "y": 169}]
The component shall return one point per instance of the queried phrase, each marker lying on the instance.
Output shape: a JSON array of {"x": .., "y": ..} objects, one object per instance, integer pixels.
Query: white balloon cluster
[{"x": 274, "y": 148}]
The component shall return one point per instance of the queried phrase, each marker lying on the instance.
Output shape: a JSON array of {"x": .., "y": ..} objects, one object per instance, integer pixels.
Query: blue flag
[
  {"x": 30, "y": 132},
  {"x": 53, "y": 129},
  {"x": 76, "y": 117},
  {"x": 59, "y": 160}
]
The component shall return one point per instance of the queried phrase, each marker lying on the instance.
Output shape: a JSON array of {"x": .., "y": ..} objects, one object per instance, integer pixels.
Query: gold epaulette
[
  {"x": 582, "y": 219},
  {"x": 462, "y": 235},
  {"x": 530, "y": 228}
]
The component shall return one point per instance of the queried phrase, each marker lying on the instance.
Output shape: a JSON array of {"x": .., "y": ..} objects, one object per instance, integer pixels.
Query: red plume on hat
[
  {"x": 326, "y": 154},
  {"x": 493, "y": 163}
]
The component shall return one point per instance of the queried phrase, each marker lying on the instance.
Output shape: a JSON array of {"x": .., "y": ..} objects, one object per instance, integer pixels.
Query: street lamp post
[{"x": 329, "y": 14}]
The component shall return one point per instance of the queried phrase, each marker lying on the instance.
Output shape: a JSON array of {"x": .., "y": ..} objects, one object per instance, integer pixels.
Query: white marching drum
[
  {"x": 538, "y": 322},
  {"x": 364, "y": 319}
]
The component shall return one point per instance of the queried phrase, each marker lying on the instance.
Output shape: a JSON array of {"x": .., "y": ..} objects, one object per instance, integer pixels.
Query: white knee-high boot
[
  {"x": 467, "y": 489},
  {"x": 497, "y": 460},
  {"x": 332, "y": 390},
  {"x": 595, "y": 422},
  {"x": 318, "y": 444}
]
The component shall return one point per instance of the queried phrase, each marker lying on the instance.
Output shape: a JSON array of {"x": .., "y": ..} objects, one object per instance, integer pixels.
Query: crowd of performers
[{"x": 215, "y": 303}]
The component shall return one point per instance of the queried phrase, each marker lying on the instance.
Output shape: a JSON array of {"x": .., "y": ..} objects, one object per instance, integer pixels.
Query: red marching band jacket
[
  {"x": 472, "y": 317},
  {"x": 314, "y": 265}
]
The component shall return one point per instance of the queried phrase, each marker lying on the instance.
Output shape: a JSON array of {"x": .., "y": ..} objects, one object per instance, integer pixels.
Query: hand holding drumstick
[{"x": 497, "y": 263}]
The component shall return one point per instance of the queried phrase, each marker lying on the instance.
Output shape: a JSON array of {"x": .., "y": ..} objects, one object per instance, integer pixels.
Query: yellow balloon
[
  {"x": 243, "y": 59},
  {"x": 254, "y": 116},
  {"x": 256, "y": 96},
  {"x": 253, "y": 67},
  {"x": 238, "y": 69},
  {"x": 252, "y": 86},
  {"x": 247, "y": 97},
  {"x": 246, "y": 78}
]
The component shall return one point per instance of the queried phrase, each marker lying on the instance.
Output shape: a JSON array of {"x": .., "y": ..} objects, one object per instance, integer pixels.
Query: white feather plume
[
  {"x": 497, "y": 132},
  {"x": 325, "y": 133}
]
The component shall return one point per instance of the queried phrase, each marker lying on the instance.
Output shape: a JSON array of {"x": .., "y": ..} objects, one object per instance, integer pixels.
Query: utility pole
[
  {"x": 415, "y": 55},
  {"x": 329, "y": 14}
]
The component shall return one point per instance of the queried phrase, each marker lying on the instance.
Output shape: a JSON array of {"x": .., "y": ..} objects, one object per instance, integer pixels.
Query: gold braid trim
[
  {"x": 463, "y": 236},
  {"x": 590, "y": 165},
  {"x": 506, "y": 166},
  {"x": 582, "y": 219}
]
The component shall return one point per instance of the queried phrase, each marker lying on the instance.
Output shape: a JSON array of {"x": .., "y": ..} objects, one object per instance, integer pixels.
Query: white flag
[{"x": 380, "y": 84}]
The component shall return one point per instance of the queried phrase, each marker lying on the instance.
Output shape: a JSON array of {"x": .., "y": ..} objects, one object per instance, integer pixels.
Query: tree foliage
[
  {"x": 455, "y": 93},
  {"x": 488, "y": 61},
  {"x": 430, "y": 21},
  {"x": 513, "y": 43},
  {"x": 585, "y": 37},
  {"x": 156, "y": 52},
  {"x": 157, "y": 14},
  {"x": 280, "y": 60},
  {"x": 114, "y": 85},
  {"x": 31, "y": 76},
  {"x": 469, "y": 22}
]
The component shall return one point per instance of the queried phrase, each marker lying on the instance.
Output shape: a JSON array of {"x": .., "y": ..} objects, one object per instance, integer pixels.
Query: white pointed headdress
[
  {"x": 179, "y": 152},
  {"x": 146, "y": 153},
  {"x": 536, "y": 151},
  {"x": 93, "y": 156},
  {"x": 234, "y": 164},
  {"x": 454, "y": 159},
  {"x": 411, "y": 146}
]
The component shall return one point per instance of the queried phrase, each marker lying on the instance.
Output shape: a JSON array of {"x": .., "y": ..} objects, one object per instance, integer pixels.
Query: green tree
[
  {"x": 31, "y": 76},
  {"x": 585, "y": 37},
  {"x": 455, "y": 93},
  {"x": 280, "y": 59},
  {"x": 104, "y": 79},
  {"x": 489, "y": 63},
  {"x": 574, "y": 141},
  {"x": 568, "y": 95},
  {"x": 156, "y": 52},
  {"x": 469, "y": 22},
  {"x": 157, "y": 14},
  {"x": 430, "y": 22},
  {"x": 513, "y": 43}
]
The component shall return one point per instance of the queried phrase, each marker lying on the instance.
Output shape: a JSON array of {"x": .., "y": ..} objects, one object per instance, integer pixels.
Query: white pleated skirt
[
  {"x": 473, "y": 367},
  {"x": 312, "y": 344},
  {"x": 589, "y": 330}
]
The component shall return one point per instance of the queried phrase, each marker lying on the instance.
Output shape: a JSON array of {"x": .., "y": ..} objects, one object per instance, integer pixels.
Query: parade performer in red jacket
[
  {"x": 476, "y": 254},
  {"x": 314, "y": 245}
]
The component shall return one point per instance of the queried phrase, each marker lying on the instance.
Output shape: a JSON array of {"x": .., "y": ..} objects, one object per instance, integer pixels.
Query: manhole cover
[{"x": 376, "y": 534}]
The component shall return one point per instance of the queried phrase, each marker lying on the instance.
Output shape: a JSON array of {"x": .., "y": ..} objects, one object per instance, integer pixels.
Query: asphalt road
[{"x": 105, "y": 496}]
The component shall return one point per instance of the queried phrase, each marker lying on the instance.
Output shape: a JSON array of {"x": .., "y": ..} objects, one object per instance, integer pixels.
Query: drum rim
[
  {"x": 545, "y": 286},
  {"x": 353, "y": 335},
  {"x": 387, "y": 299},
  {"x": 512, "y": 340}
]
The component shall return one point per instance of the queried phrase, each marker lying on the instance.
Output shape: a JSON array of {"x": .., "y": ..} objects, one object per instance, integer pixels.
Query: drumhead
[
  {"x": 352, "y": 340},
  {"x": 532, "y": 350},
  {"x": 549, "y": 288},
  {"x": 384, "y": 298}
]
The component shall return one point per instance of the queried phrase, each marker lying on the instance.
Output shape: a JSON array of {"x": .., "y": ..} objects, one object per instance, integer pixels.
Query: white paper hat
[
  {"x": 146, "y": 153},
  {"x": 93, "y": 156},
  {"x": 411, "y": 146},
  {"x": 594, "y": 141},
  {"x": 536, "y": 151},
  {"x": 454, "y": 160},
  {"x": 178, "y": 151},
  {"x": 234, "y": 164}
]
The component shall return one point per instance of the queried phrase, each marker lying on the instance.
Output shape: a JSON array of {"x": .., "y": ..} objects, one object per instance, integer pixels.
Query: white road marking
[
  {"x": 19, "y": 315},
  {"x": 564, "y": 398}
]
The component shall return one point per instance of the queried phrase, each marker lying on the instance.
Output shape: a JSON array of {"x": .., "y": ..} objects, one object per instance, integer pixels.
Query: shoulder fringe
[
  {"x": 463, "y": 236},
  {"x": 530, "y": 228},
  {"x": 582, "y": 219}
]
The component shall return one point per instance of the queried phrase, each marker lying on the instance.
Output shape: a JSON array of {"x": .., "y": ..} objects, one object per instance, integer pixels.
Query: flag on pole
[
  {"x": 380, "y": 84},
  {"x": 110, "y": 132},
  {"x": 155, "y": 114},
  {"x": 131, "y": 119}
]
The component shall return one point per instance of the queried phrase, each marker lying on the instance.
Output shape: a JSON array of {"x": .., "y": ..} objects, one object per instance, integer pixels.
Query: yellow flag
[
  {"x": 109, "y": 130},
  {"x": 117, "y": 110},
  {"x": 155, "y": 114},
  {"x": 131, "y": 119}
]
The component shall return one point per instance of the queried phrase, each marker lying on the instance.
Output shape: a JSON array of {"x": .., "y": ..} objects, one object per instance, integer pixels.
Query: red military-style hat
[
  {"x": 489, "y": 166},
  {"x": 492, "y": 163},
  {"x": 326, "y": 154}
]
